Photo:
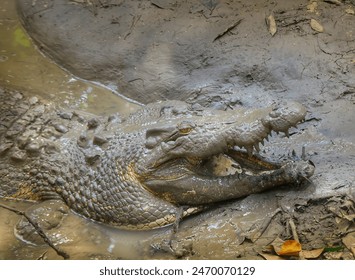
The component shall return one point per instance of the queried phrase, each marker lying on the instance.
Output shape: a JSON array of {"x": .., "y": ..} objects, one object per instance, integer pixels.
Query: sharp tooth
[
  {"x": 262, "y": 142},
  {"x": 303, "y": 156},
  {"x": 249, "y": 150},
  {"x": 287, "y": 134},
  {"x": 267, "y": 137},
  {"x": 294, "y": 153},
  {"x": 257, "y": 148}
]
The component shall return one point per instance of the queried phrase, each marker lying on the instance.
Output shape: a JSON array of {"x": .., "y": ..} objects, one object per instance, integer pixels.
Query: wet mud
[{"x": 219, "y": 54}]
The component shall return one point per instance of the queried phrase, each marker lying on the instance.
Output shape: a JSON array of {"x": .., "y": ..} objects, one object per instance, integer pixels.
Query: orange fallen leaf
[{"x": 290, "y": 248}]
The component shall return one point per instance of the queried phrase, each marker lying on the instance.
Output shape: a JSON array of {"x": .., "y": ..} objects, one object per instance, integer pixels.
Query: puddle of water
[
  {"x": 23, "y": 67},
  {"x": 78, "y": 237}
]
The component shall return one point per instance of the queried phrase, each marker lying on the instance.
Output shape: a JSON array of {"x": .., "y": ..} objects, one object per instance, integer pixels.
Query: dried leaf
[
  {"x": 271, "y": 24},
  {"x": 316, "y": 26},
  {"x": 290, "y": 248},
  {"x": 350, "y": 11},
  {"x": 313, "y": 254},
  {"x": 349, "y": 242},
  {"x": 277, "y": 244},
  {"x": 350, "y": 217},
  {"x": 352, "y": 249},
  {"x": 270, "y": 257},
  {"x": 333, "y": 255}
]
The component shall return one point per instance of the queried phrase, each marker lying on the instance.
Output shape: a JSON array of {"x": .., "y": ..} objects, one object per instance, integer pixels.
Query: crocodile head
[{"x": 211, "y": 157}]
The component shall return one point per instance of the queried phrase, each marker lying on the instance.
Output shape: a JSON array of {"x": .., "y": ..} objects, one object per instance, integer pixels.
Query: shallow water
[{"x": 78, "y": 237}]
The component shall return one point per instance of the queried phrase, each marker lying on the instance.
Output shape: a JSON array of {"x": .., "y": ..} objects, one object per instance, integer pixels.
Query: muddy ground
[{"x": 221, "y": 54}]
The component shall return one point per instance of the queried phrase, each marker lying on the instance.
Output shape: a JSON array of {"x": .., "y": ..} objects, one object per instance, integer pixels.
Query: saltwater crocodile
[{"x": 138, "y": 172}]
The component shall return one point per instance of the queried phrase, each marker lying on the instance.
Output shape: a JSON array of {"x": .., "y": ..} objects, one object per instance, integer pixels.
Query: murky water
[
  {"x": 78, "y": 237},
  {"x": 23, "y": 67}
]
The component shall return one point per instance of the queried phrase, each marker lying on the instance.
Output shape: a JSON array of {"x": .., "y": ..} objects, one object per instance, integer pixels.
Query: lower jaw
[{"x": 252, "y": 162}]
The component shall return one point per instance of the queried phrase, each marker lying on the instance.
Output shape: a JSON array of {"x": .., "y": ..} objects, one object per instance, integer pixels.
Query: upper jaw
[{"x": 211, "y": 137}]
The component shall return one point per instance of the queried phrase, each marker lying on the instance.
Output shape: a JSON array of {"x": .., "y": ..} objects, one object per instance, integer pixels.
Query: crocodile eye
[
  {"x": 185, "y": 127},
  {"x": 186, "y": 130}
]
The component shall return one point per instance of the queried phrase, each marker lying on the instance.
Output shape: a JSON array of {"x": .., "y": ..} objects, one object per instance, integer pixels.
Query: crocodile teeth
[
  {"x": 303, "y": 156},
  {"x": 257, "y": 148},
  {"x": 287, "y": 134}
]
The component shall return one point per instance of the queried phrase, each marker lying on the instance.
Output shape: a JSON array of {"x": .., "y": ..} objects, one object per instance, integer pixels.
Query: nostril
[{"x": 151, "y": 143}]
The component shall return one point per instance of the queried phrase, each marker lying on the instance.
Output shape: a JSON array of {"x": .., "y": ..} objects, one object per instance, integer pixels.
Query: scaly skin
[{"x": 137, "y": 172}]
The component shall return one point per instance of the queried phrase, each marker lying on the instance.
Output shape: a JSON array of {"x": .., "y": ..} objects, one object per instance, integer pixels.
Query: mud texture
[
  {"x": 215, "y": 50},
  {"x": 221, "y": 54}
]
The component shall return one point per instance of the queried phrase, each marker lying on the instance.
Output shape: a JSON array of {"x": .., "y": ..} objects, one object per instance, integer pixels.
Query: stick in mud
[{"x": 38, "y": 229}]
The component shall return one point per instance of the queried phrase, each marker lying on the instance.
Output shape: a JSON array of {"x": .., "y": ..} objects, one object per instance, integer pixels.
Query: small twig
[
  {"x": 294, "y": 230},
  {"x": 227, "y": 30},
  {"x": 295, "y": 236},
  {"x": 336, "y": 2},
  {"x": 264, "y": 226},
  {"x": 38, "y": 230},
  {"x": 41, "y": 257},
  {"x": 156, "y": 5},
  {"x": 133, "y": 24}
]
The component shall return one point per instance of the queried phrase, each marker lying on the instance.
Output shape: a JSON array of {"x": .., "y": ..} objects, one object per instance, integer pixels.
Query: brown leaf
[
  {"x": 316, "y": 26},
  {"x": 277, "y": 244},
  {"x": 270, "y": 257},
  {"x": 313, "y": 254},
  {"x": 290, "y": 248},
  {"x": 349, "y": 242},
  {"x": 271, "y": 24},
  {"x": 350, "y": 217},
  {"x": 350, "y": 11},
  {"x": 333, "y": 255}
]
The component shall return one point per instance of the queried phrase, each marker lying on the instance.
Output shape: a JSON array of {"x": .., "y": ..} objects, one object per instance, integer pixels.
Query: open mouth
[
  {"x": 234, "y": 174},
  {"x": 211, "y": 161},
  {"x": 236, "y": 161}
]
